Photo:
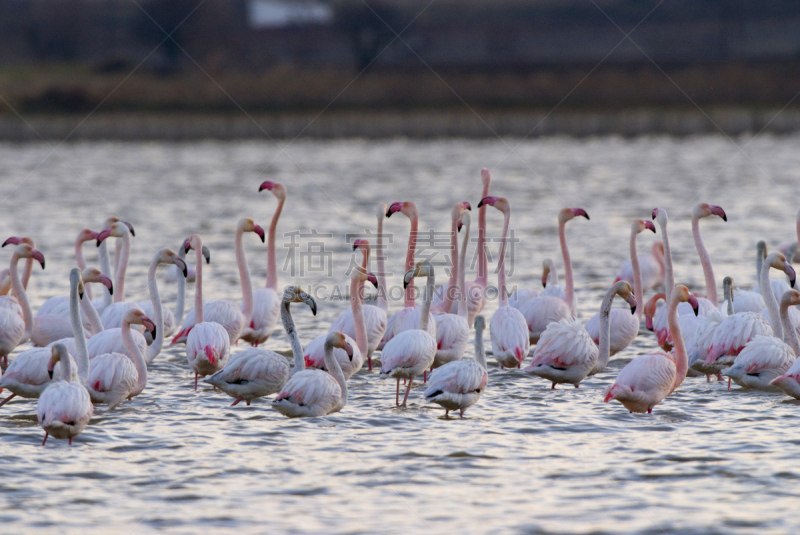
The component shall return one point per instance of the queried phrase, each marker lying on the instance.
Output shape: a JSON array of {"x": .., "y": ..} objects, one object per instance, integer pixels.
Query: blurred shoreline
[{"x": 733, "y": 121}]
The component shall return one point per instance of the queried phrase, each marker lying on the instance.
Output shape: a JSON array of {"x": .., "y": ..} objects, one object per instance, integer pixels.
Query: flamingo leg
[
  {"x": 729, "y": 383},
  {"x": 70, "y": 441},
  {"x": 240, "y": 398},
  {"x": 405, "y": 398},
  {"x": 708, "y": 378},
  {"x": 397, "y": 393},
  {"x": 446, "y": 412},
  {"x": 553, "y": 387},
  {"x": 45, "y": 437},
  {"x": 195, "y": 382},
  {"x": 650, "y": 410},
  {"x": 248, "y": 403},
  {"x": 462, "y": 413},
  {"x": 578, "y": 385},
  {"x": 369, "y": 362},
  {"x": 424, "y": 377},
  {"x": 6, "y": 400},
  {"x": 519, "y": 366}
]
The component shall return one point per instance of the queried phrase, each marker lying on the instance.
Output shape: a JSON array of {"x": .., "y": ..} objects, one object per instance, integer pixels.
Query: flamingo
[
  {"x": 458, "y": 385},
  {"x": 566, "y": 352},
  {"x": 311, "y": 393},
  {"x": 266, "y": 303},
  {"x": 701, "y": 339},
  {"x": 350, "y": 362},
  {"x": 408, "y": 317},
  {"x": 27, "y": 375},
  {"x": 9, "y": 301},
  {"x": 444, "y": 301},
  {"x": 751, "y": 300},
  {"x": 452, "y": 330},
  {"x": 646, "y": 380},
  {"x": 789, "y": 382},
  {"x": 766, "y": 358},
  {"x": 624, "y": 326},
  {"x": 64, "y": 408},
  {"x": 16, "y": 330},
  {"x": 105, "y": 266},
  {"x": 790, "y": 249},
  {"x": 651, "y": 267},
  {"x": 507, "y": 328},
  {"x": 176, "y": 274},
  {"x": 374, "y": 317},
  {"x": 227, "y": 313},
  {"x": 83, "y": 236},
  {"x": 59, "y": 305},
  {"x": 114, "y": 377},
  {"x": 208, "y": 345},
  {"x": 254, "y": 372},
  {"x": 540, "y": 311},
  {"x": 411, "y": 352},
  {"x": 550, "y": 284}
]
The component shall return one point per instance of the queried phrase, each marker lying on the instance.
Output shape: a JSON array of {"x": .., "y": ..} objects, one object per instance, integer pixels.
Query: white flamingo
[
  {"x": 624, "y": 326},
  {"x": 789, "y": 381},
  {"x": 566, "y": 352},
  {"x": 646, "y": 380},
  {"x": 651, "y": 266},
  {"x": 411, "y": 352},
  {"x": 16, "y": 330},
  {"x": 10, "y": 301},
  {"x": 312, "y": 393},
  {"x": 507, "y": 328},
  {"x": 266, "y": 302},
  {"x": 227, "y": 313},
  {"x": 540, "y": 311},
  {"x": 254, "y": 372},
  {"x": 374, "y": 317},
  {"x": 59, "y": 305},
  {"x": 64, "y": 408},
  {"x": 459, "y": 384}
]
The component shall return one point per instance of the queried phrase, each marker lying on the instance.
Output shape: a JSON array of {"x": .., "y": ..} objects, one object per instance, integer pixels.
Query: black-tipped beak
[
  {"x": 111, "y": 289},
  {"x": 389, "y": 213},
  {"x": 586, "y": 216},
  {"x": 653, "y": 229},
  {"x": 649, "y": 329},
  {"x": 696, "y": 310},
  {"x": 374, "y": 283},
  {"x": 50, "y": 373},
  {"x": 633, "y": 309},
  {"x": 791, "y": 282},
  {"x": 480, "y": 203},
  {"x": 42, "y": 263},
  {"x": 80, "y": 295},
  {"x": 207, "y": 254}
]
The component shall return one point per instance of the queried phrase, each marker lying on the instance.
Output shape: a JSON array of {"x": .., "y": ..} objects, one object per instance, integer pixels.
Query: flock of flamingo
[{"x": 96, "y": 351}]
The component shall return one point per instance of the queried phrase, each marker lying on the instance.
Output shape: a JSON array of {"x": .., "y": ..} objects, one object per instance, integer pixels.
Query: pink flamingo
[
  {"x": 540, "y": 311},
  {"x": 507, "y": 328},
  {"x": 458, "y": 385},
  {"x": 311, "y": 393},
  {"x": 789, "y": 381},
  {"x": 266, "y": 303},
  {"x": 650, "y": 265},
  {"x": 444, "y": 301},
  {"x": 411, "y": 352},
  {"x": 9, "y": 301},
  {"x": 646, "y": 380},
  {"x": 64, "y": 408},
  {"x": 16, "y": 330},
  {"x": 228, "y": 313},
  {"x": 254, "y": 372},
  {"x": 624, "y": 326},
  {"x": 566, "y": 352}
]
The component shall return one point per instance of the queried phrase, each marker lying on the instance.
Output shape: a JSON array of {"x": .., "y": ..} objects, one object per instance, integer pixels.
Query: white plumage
[
  {"x": 565, "y": 353},
  {"x": 251, "y": 374},
  {"x": 762, "y": 360},
  {"x": 509, "y": 335}
]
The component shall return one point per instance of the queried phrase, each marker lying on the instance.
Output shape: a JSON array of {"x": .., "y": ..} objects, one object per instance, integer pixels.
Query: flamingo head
[
  {"x": 135, "y": 316},
  {"x": 57, "y": 353},
  {"x": 14, "y": 240},
  {"x": 640, "y": 225},
  {"x": 778, "y": 261},
  {"x": 26, "y": 250},
  {"x": 727, "y": 285},
  {"x": 547, "y": 266},
  {"x": 790, "y": 298},
  {"x": 623, "y": 289},
  {"x": 380, "y": 211},
  {"x": 86, "y": 235},
  {"x": 566, "y": 214},
  {"x": 650, "y": 309},
  {"x": 248, "y": 225},
  {"x": 294, "y": 294},
  {"x": 187, "y": 246},
  {"x": 76, "y": 278},
  {"x": 455, "y": 213},
  {"x": 464, "y": 220},
  {"x": 372, "y": 279},
  {"x": 501, "y": 203},
  {"x": 111, "y": 220},
  {"x": 761, "y": 247},
  {"x": 116, "y": 230},
  {"x": 422, "y": 269},
  {"x": 486, "y": 177},
  {"x": 363, "y": 244},
  {"x": 704, "y": 210},
  {"x": 408, "y": 209},
  {"x": 681, "y": 294},
  {"x": 166, "y": 255},
  {"x": 91, "y": 274},
  {"x": 337, "y": 339},
  {"x": 660, "y": 215},
  {"x": 277, "y": 189},
  {"x": 479, "y": 323}
]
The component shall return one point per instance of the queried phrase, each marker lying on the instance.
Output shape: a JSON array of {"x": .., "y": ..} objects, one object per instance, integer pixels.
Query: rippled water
[{"x": 525, "y": 459}]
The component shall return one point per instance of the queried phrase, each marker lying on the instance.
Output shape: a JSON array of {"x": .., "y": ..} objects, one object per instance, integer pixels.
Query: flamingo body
[
  {"x": 540, "y": 312},
  {"x": 644, "y": 382},
  {"x": 764, "y": 359},
  {"x": 376, "y": 321},
  {"x": 509, "y": 334},
  {"x": 457, "y": 385},
  {"x": 314, "y": 356},
  {"x": 309, "y": 393},
  {"x": 565, "y": 353},
  {"x": 731, "y": 337},
  {"x": 225, "y": 313},
  {"x": 112, "y": 379},
  {"x": 661, "y": 328},
  {"x": 408, "y": 354},
  {"x": 624, "y": 328},
  {"x": 789, "y": 382},
  {"x": 266, "y": 309},
  {"x": 521, "y": 296},
  {"x": 452, "y": 335},
  {"x": 207, "y": 348},
  {"x": 251, "y": 374},
  {"x": 27, "y": 375},
  {"x": 408, "y": 319},
  {"x": 748, "y": 301},
  {"x": 64, "y": 409}
]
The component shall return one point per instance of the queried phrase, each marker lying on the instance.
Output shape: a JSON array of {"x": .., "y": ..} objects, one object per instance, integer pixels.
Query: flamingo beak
[
  {"x": 648, "y": 323},
  {"x": 459, "y": 225},
  {"x": 356, "y": 243},
  {"x": 655, "y": 213},
  {"x": 105, "y": 281},
  {"x": 103, "y": 235},
  {"x": 577, "y": 212},
  {"x": 207, "y": 254},
  {"x": 650, "y": 225},
  {"x": 695, "y": 305},
  {"x": 466, "y": 206},
  {"x": 267, "y": 184},
  {"x": 789, "y": 270},
  {"x": 488, "y": 200},
  {"x": 632, "y": 302},
  {"x": 544, "y": 280},
  {"x": 260, "y": 231},
  {"x": 349, "y": 349},
  {"x": 38, "y": 256},
  {"x": 408, "y": 277},
  {"x": 181, "y": 265},
  {"x": 130, "y": 228},
  {"x": 312, "y": 304},
  {"x": 149, "y": 325},
  {"x": 13, "y": 240},
  {"x": 718, "y": 211},
  {"x": 395, "y": 207},
  {"x": 373, "y": 279}
]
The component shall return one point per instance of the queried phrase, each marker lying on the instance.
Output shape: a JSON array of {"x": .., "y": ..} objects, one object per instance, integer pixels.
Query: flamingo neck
[
  {"x": 291, "y": 332},
  {"x": 426, "y": 307},
  {"x": 117, "y": 253},
  {"x": 482, "y": 278},
  {"x": 501, "y": 261},
  {"x": 605, "y": 329},
  {"x": 26, "y": 272},
  {"x": 412, "y": 240},
  {"x": 552, "y": 276},
  {"x": 22, "y": 297},
  {"x": 272, "y": 263},
  {"x": 669, "y": 276},
  {"x": 569, "y": 290},
  {"x": 356, "y": 305},
  {"x": 462, "y": 283},
  {"x": 681, "y": 360},
  {"x": 332, "y": 365},
  {"x": 135, "y": 356},
  {"x": 638, "y": 292},
  {"x": 81, "y": 263},
  {"x": 726, "y": 295},
  {"x": 244, "y": 276},
  {"x": 180, "y": 303},
  {"x": 380, "y": 257},
  {"x": 158, "y": 312},
  {"x": 82, "y": 356},
  {"x": 480, "y": 354},
  {"x": 705, "y": 260},
  {"x": 447, "y": 296},
  {"x": 658, "y": 256},
  {"x": 5, "y": 282},
  {"x": 91, "y": 314},
  {"x": 198, "y": 287},
  {"x": 122, "y": 267},
  {"x": 771, "y": 302},
  {"x": 105, "y": 268}
]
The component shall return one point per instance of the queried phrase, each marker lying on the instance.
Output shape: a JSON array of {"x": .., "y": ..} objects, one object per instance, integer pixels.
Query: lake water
[{"x": 526, "y": 459}]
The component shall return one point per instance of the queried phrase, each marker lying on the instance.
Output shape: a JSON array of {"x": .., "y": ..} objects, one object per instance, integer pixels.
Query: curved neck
[
  {"x": 291, "y": 332},
  {"x": 26, "y": 272},
  {"x": 244, "y": 276},
  {"x": 198, "y": 287},
  {"x": 272, "y": 263},
  {"x": 426, "y": 308},
  {"x": 681, "y": 360},
  {"x": 462, "y": 283},
  {"x": 22, "y": 297},
  {"x": 122, "y": 267},
  {"x": 569, "y": 290},
  {"x": 81, "y": 262},
  {"x": 791, "y": 332},
  {"x": 158, "y": 312},
  {"x": 447, "y": 296},
  {"x": 483, "y": 264},
  {"x": 480, "y": 353},
  {"x": 91, "y": 314},
  {"x": 67, "y": 371},
  {"x": 105, "y": 268},
  {"x": 356, "y": 305},
  {"x": 638, "y": 292},
  {"x": 501, "y": 261},
  {"x": 180, "y": 302},
  {"x": 380, "y": 257},
  {"x": 135, "y": 356},
  {"x": 605, "y": 329},
  {"x": 669, "y": 276},
  {"x": 552, "y": 276},
  {"x": 332, "y": 365},
  {"x": 412, "y": 240},
  {"x": 759, "y": 261},
  {"x": 82, "y": 356},
  {"x": 5, "y": 282},
  {"x": 771, "y": 302},
  {"x": 705, "y": 260}
]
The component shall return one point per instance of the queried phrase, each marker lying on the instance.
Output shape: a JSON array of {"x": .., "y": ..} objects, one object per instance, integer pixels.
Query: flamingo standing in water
[
  {"x": 458, "y": 385},
  {"x": 254, "y": 372},
  {"x": 651, "y": 267},
  {"x": 624, "y": 326},
  {"x": 9, "y": 301},
  {"x": 227, "y": 313},
  {"x": 374, "y": 316},
  {"x": 64, "y": 408},
  {"x": 411, "y": 352},
  {"x": 507, "y": 328},
  {"x": 266, "y": 303},
  {"x": 312, "y": 393},
  {"x": 789, "y": 382},
  {"x": 444, "y": 300},
  {"x": 646, "y": 380},
  {"x": 566, "y": 352},
  {"x": 16, "y": 330},
  {"x": 540, "y": 311},
  {"x": 208, "y": 345}
]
